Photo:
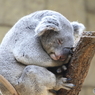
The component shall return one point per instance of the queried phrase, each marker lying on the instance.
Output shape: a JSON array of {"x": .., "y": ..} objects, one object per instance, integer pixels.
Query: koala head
[
  {"x": 57, "y": 38},
  {"x": 57, "y": 46}
]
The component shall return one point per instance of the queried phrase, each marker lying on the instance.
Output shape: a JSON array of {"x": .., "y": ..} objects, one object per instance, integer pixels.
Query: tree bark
[{"x": 80, "y": 63}]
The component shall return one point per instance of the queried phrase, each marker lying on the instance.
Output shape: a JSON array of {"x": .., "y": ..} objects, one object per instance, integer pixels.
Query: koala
[{"x": 36, "y": 42}]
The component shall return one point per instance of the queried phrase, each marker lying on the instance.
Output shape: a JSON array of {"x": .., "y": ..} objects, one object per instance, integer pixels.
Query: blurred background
[{"x": 75, "y": 10}]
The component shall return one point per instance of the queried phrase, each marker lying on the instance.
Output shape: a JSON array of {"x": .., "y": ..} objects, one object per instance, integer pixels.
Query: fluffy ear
[
  {"x": 47, "y": 23},
  {"x": 78, "y": 28}
]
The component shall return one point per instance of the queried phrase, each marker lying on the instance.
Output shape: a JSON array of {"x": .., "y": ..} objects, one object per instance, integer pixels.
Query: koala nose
[{"x": 65, "y": 53}]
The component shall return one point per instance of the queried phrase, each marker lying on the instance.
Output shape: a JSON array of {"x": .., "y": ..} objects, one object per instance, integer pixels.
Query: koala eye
[{"x": 60, "y": 41}]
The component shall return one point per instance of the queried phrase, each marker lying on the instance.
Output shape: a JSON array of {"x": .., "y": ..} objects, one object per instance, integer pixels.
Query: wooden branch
[
  {"x": 80, "y": 63},
  {"x": 7, "y": 84}
]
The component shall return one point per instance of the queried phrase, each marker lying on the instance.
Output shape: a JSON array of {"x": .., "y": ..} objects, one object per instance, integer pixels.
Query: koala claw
[
  {"x": 69, "y": 79},
  {"x": 68, "y": 86},
  {"x": 64, "y": 67},
  {"x": 64, "y": 80},
  {"x": 62, "y": 83}
]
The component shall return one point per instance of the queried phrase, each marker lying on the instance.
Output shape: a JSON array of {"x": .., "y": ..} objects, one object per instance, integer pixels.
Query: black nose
[{"x": 67, "y": 51}]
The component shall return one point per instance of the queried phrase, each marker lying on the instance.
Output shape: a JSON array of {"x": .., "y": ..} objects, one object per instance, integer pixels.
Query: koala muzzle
[{"x": 62, "y": 56}]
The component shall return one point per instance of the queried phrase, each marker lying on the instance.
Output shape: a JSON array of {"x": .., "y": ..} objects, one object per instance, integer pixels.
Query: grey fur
[{"x": 25, "y": 50}]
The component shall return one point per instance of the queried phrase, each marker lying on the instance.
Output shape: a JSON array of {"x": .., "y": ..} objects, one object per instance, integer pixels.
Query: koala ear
[
  {"x": 47, "y": 23},
  {"x": 78, "y": 28}
]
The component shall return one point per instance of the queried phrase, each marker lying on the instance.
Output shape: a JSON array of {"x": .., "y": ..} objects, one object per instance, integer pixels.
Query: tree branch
[{"x": 80, "y": 63}]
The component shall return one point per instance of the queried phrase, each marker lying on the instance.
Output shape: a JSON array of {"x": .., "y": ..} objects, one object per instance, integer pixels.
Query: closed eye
[{"x": 60, "y": 41}]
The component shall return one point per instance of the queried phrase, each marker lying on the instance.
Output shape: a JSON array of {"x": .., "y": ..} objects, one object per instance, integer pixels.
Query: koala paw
[{"x": 63, "y": 83}]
